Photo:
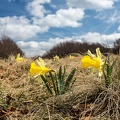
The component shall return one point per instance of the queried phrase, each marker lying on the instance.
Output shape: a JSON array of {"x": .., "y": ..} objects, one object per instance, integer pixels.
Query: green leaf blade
[
  {"x": 69, "y": 79},
  {"x": 46, "y": 84}
]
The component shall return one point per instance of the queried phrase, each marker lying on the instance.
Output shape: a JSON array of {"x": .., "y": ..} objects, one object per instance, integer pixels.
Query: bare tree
[{"x": 9, "y": 47}]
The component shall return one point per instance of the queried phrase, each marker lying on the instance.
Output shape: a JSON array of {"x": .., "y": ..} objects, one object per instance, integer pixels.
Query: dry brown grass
[{"x": 24, "y": 98}]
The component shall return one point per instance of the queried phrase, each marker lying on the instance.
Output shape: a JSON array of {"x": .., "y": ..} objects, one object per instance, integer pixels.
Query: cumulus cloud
[
  {"x": 22, "y": 28},
  {"x": 42, "y": 19},
  {"x": 91, "y": 4},
  {"x": 19, "y": 28},
  {"x": 100, "y": 38},
  {"x": 34, "y": 48},
  {"x": 36, "y": 8},
  {"x": 90, "y": 37},
  {"x": 63, "y": 17}
]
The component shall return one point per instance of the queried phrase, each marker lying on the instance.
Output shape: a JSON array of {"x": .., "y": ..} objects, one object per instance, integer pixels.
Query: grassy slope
[{"x": 25, "y": 98}]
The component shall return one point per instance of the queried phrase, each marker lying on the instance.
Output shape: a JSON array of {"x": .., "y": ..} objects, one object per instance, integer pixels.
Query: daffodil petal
[
  {"x": 18, "y": 55},
  {"x": 90, "y": 54},
  {"x": 99, "y": 55},
  {"x": 40, "y": 62}
]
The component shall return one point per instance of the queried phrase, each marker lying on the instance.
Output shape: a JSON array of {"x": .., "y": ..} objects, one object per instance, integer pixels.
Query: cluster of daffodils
[
  {"x": 60, "y": 83},
  {"x": 96, "y": 62},
  {"x": 19, "y": 58}
]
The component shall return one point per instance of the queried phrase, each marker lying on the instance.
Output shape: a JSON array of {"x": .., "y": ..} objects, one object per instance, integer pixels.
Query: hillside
[{"x": 26, "y": 98}]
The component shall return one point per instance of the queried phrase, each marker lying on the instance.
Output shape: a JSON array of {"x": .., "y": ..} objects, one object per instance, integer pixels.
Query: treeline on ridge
[
  {"x": 9, "y": 47},
  {"x": 65, "y": 48}
]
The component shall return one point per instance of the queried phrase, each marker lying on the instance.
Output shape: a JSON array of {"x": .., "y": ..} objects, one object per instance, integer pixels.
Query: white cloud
[
  {"x": 63, "y": 17},
  {"x": 100, "y": 38},
  {"x": 53, "y": 6},
  {"x": 58, "y": 40},
  {"x": 22, "y": 28},
  {"x": 19, "y": 28},
  {"x": 36, "y": 8},
  {"x": 91, "y": 4},
  {"x": 31, "y": 44},
  {"x": 34, "y": 48},
  {"x": 93, "y": 37},
  {"x": 14, "y": 19}
]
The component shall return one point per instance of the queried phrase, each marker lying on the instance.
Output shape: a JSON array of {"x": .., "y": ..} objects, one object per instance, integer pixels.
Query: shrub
[
  {"x": 65, "y": 48},
  {"x": 9, "y": 47}
]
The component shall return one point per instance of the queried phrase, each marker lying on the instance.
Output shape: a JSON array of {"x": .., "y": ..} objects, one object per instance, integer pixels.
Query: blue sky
[{"x": 38, "y": 25}]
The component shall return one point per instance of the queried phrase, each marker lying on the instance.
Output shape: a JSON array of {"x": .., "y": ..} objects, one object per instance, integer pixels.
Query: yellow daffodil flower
[
  {"x": 19, "y": 59},
  {"x": 39, "y": 68},
  {"x": 71, "y": 56},
  {"x": 56, "y": 58},
  {"x": 94, "y": 61}
]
